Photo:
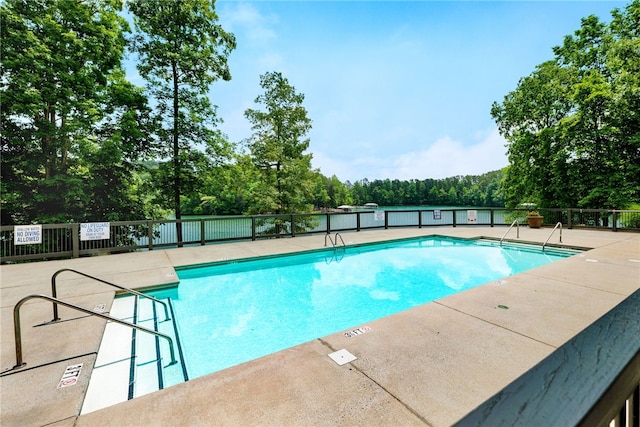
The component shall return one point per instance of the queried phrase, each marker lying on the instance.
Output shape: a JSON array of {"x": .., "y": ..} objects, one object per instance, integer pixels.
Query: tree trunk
[{"x": 176, "y": 159}]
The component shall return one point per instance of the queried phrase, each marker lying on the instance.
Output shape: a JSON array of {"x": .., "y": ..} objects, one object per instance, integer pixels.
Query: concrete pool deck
[{"x": 427, "y": 366}]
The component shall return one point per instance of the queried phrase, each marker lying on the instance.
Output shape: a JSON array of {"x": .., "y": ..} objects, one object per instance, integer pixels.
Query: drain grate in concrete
[{"x": 342, "y": 357}]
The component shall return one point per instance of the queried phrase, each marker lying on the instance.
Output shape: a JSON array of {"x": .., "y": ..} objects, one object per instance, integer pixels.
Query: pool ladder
[
  {"x": 335, "y": 257},
  {"x": 131, "y": 365},
  {"x": 559, "y": 224},
  {"x": 334, "y": 241},
  {"x": 517, "y": 224},
  {"x": 16, "y": 314}
]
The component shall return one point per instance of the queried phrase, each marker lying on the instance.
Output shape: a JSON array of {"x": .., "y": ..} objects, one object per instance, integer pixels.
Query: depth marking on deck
[
  {"x": 70, "y": 376},
  {"x": 358, "y": 331}
]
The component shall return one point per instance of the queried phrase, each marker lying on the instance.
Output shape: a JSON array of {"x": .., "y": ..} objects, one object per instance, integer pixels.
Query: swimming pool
[{"x": 238, "y": 311}]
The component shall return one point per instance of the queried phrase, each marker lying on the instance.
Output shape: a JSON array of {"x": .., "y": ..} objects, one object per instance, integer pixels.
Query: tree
[
  {"x": 359, "y": 192},
  {"x": 338, "y": 192},
  {"x": 72, "y": 126},
  {"x": 321, "y": 198},
  {"x": 469, "y": 190},
  {"x": 182, "y": 51},
  {"x": 113, "y": 160},
  {"x": 226, "y": 188},
  {"x": 278, "y": 148},
  {"x": 573, "y": 126},
  {"x": 330, "y": 192}
]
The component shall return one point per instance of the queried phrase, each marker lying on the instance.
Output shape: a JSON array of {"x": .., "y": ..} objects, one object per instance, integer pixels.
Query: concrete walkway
[{"x": 429, "y": 365}]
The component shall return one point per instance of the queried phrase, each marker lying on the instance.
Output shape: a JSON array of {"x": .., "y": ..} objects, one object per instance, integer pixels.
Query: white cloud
[
  {"x": 245, "y": 19},
  {"x": 380, "y": 105},
  {"x": 444, "y": 158},
  {"x": 448, "y": 157},
  {"x": 270, "y": 62}
]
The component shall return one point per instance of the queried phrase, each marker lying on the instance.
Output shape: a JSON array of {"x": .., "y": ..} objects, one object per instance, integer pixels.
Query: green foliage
[
  {"x": 483, "y": 190},
  {"x": 231, "y": 189},
  {"x": 632, "y": 219},
  {"x": 227, "y": 189},
  {"x": 182, "y": 51},
  {"x": 278, "y": 149},
  {"x": 72, "y": 127},
  {"x": 80, "y": 142},
  {"x": 330, "y": 192},
  {"x": 573, "y": 125}
]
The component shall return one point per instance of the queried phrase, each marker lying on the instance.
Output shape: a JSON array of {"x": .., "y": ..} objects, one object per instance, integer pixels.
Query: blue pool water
[{"x": 229, "y": 314}]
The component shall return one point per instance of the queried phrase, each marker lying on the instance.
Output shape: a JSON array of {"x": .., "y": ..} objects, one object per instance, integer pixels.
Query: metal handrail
[
  {"x": 18, "y": 334},
  {"x": 140, "y": 294},
  {"x": 517, "y": 223},
  {"x": 559, "y": 224},
  {"x": 330, "y": 239},
  {"x": 334, "y": 241}
]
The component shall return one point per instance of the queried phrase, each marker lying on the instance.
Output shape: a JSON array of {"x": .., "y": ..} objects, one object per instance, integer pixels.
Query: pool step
[{"x": 130, "y": 362}]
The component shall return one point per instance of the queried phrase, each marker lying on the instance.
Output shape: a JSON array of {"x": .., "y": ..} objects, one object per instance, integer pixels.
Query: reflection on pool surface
[{"x": 235, "y": 312}]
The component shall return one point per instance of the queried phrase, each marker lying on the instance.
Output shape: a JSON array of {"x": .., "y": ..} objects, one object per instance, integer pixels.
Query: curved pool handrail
[
  {"x": 517, "y": 223},
  {"x": 140, "y": 294},
  {"x": 559, "y": 224},
  {"x": 18, "y": 333},
  {"x": 330, "y": 239}
]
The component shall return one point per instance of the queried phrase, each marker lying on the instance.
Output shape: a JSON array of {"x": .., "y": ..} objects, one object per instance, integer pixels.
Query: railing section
[
  {"x": 592, "y": 380},
  {"x": 17, "y": 328},
  {"x": 63, "y": 240}
]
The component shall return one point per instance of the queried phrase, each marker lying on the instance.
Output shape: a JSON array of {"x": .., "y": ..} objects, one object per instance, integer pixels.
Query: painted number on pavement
[{"x": 70, "y": 376}]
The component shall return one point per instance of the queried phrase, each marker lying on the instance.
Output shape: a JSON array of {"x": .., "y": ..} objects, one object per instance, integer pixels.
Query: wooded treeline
[
  {"x": 81, "y": 143},
  {"x": 481, "y": 191},
  {"x": 573, "y": 124}
]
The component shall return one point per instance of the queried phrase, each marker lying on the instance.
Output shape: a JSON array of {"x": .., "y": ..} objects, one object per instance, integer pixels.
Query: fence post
[
  {"x": 569, "y": 219},
  {"x": 179, "y": 229},
  {"x": 358, "y": 221},
  {"x": 75, "y": 239},
  {"x": 202, "y": 237},
  {"x": 455, "y": 222},
  {"x": 328, "y": 223},
  {"x": 419, "y": 218},
  {"x": 150, "y": 234},
  {"x": 386, "y": 220},
  {"x": 293, "y": 231},
  {"x": 491, "y": 217},
  {"x": 615, "y": 220},
  {"x": 253, "y": 228}
]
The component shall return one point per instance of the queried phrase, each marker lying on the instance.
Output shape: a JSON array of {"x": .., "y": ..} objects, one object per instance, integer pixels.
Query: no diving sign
[
  {"x": 70, "y": 376},
  {"x": 27, "y": 234}
]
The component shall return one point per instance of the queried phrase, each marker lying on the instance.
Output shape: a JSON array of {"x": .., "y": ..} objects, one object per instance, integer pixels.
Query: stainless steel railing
[
  {"x": 54, "y": 292},
  {"x": 559, "y": 224},
  {"x": 517, "y": 224},
  {"x": 18, "y": 332},
  {"x": 334, "y": 241}
]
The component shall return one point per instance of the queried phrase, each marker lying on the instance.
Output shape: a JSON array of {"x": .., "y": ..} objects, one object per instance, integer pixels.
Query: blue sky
[{"x": 395, "y": 89}]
